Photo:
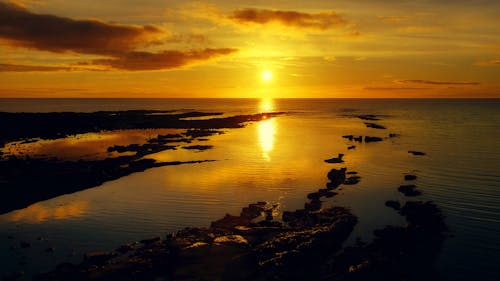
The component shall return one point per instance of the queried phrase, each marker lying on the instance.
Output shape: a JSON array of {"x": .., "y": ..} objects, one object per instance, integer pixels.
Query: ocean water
[{"x": 279, "y": 160}]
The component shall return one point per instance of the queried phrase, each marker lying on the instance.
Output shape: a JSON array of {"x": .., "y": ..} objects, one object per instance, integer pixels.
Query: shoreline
[
  {"x": 304, "y": 244},
  {"x": 23, "y": 175}
]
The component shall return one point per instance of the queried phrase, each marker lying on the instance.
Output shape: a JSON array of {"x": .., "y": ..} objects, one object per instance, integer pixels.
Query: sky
[{"x": 240, "y": 49}]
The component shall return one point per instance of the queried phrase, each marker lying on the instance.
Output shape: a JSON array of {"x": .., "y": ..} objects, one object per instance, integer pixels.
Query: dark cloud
[
  {"x": 119, "y": 43},
  {"x": 161, "y": 60},
  {"x": 319, "y": 21},
  {"x": 430, "y": 82},
  {"x": 20, "y": 27},
  {"x": 393, "y": 88},
  {"x": 6, "y": 67}
]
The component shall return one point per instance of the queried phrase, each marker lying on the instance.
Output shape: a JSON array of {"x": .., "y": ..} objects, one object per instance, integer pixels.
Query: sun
[{"x": 266, "y": 75}]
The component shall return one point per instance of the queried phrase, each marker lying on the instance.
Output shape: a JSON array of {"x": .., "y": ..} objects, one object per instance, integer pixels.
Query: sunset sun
[{"x": 266, "y": 75}]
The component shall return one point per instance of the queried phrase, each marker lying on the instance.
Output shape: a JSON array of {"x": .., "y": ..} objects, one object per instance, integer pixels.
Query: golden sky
[{"x": 237, "y": 49}]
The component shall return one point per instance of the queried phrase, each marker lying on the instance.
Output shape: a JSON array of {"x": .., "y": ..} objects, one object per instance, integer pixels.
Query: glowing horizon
[{"x": 318, "y": 49}]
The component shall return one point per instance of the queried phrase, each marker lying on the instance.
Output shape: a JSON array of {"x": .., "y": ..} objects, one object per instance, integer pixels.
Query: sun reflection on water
[{"x": 266, "y": 129}]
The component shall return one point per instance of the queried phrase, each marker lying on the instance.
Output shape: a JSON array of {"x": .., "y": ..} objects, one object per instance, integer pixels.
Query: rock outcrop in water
[
  {"x": 244, "y": 250},
  {"x": 21, "y": 177}
]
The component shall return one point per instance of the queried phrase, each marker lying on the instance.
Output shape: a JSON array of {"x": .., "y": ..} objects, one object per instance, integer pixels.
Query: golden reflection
[
  {"x": 266, "y": 105},
  {"x": 267, "y": 130},
  {"x": 38, "y": 212}
]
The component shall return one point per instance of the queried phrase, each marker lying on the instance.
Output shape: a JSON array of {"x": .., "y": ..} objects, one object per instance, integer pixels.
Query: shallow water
[{"x": 279, "y": 160}]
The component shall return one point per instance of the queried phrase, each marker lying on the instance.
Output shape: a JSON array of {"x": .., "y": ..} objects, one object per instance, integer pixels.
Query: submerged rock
[
  {"x": 393, "y": 204},
  {"x": 410, "y": 177},
  {"x": 372, "y": 139},
  {"x": 375, "y": 126},
  {"x": 409, "y": 190},
  {"x": 336, "y": 159},
  {"x": 352, "y": 180},
  {"x": 416, "y": 153}
]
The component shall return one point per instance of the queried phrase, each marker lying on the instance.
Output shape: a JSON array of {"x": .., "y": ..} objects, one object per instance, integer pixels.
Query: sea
[{"x": 278, "y": 160}]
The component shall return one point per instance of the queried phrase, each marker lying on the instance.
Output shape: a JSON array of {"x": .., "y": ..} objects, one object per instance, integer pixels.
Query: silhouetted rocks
[
  {"x": 351, "y": 147},
  {"x": 22, "y": 178},
  {"x": 336, "y": 177},
  {"x": 353, "y": 138},
  {"x": 252, "y": 252},
  {"x": 198, "y": 147},
  {"x": 410, "y": 177},
  {"x": 336, "y": 159},
  {"x": 393, "y": 135},
  {"x": 352, "y": 180},
  {"x": 375, "y": 126},
  {"x": 397, "y": 252},
  {"x": 393, "y": 204},
  {"x": 313, "y": 205},
  {"x": 372, "y": 139},
  {"x": 367, "y": 139},
  {"x": 416, "y": 153},
  {"x": 409, "y": 190},
  {"x": 369, "y": 117}
]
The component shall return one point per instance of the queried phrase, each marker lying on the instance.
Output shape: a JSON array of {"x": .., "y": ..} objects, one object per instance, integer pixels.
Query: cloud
[
  {"x": 20, "y": 27},
  {"x": 494, "y": 62},
  {"x": 430, "y": 82},
  {"x": 6, "y": 67},
  {"x": 393, "y": 88},
  {"x": 321, "y": 21},
  {"x": 394, "y": 19},
  {"x": 161, "y": 60},
  {"x": 118, "y": 43}
]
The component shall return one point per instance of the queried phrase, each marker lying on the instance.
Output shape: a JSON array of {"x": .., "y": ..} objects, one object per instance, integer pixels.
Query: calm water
[{"x": 278, "y": 160}]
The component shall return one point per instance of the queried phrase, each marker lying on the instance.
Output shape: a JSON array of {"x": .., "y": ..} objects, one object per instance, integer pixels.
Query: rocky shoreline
[
  {"x": 22, "y": 176},
  {"x": 304, "y": 244}
]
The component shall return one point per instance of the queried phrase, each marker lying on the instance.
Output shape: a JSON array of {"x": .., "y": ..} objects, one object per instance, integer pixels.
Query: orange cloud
[
  {"x": 494, "y": 62},
  {"x": 430, "y": 82},
  {"x": 321, "y": 21},
  {"x": 20, "y": 27},
  {"x": 394, "y": 19},
  {"x": 161, "y": 60},
  {"x": 6, "y": 67}
]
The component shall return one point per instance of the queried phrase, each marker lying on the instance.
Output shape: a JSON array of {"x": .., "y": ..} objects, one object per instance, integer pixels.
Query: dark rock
[
  {"x": 393, "y": 204},
  {"x": 314, "y": 205},
  {"x": 393, "y": 135},
  {"x": 336, "y": 159},
  {"x": 374, "y": 126},
  {"x": 349, "y": 137},
  {"x": 253, "y": 210},
  {"x": 358, "y": 139},
  {"x": 198, "y": 147},
  {"x": 13, "y": 276},
  {"x": 98, "y": 258},
  {"x": 351, "y": 147},
  {"x": 410, "y": 177},
  {"x": 150, "y": 241},
  {"x": 369, "y": 117},
  {"x": 417, "y": 153},
  {"x": 409, "y": 190},
  {"x": 352, "y": 180},
  {"x": 336, "y": 177},
  {"x": 372, "y": 139},
  {"x": 351, "y": 173}
]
